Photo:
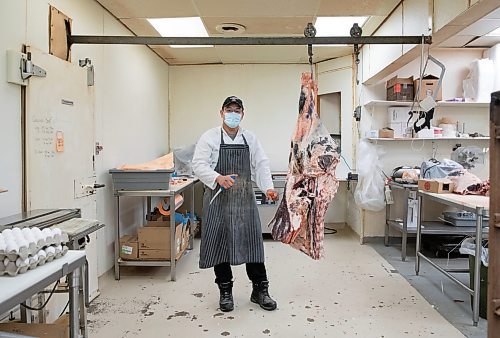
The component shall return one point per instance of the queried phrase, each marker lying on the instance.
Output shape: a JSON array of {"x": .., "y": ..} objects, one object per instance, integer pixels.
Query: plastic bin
[{"x": 141, "y": 179}]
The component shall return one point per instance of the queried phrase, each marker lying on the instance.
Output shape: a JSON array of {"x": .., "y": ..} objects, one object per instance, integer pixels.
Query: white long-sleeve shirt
[{"x": 206, "y": 156}]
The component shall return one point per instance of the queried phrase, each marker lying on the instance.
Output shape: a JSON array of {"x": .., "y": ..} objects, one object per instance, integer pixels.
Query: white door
[{"x": 60, "y": 143}]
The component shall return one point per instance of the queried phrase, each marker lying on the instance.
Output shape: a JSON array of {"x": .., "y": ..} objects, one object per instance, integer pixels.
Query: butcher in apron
[{"x": 227, "y": 159}]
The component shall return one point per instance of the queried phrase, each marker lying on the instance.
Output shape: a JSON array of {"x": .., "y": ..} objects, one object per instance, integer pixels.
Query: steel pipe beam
[{"x": 247, "y": 41}]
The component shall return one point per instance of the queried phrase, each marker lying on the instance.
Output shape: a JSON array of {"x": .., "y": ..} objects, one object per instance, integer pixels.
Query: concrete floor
[
  {"x": 450, "y": 300},
  {"x": 352, "y": 292}
]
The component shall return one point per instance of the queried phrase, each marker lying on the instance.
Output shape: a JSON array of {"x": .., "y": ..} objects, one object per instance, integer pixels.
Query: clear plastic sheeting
[
  {"x": 468, "y": 247},
  {"x": 369, "y": 192},
  {"x": 183, "y": 158}
]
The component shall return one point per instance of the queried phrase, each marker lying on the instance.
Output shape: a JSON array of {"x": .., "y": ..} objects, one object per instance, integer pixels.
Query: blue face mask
[{"x": 232, "y": 119}]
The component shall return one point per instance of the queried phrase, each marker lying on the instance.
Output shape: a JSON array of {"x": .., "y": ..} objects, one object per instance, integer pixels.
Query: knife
[{"x": 221, "y": 189}]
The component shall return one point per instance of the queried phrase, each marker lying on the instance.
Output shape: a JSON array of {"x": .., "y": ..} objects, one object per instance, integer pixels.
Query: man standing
[{"x": 228, "y": 158}]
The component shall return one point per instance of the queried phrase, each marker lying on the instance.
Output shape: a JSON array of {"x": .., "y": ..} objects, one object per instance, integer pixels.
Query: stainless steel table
[
  {"x": 400, "y": 226},
  {"x": 471, "y": 203},
  {"x": 174, "y": 189},
  {"x": 18, "y": 289}
]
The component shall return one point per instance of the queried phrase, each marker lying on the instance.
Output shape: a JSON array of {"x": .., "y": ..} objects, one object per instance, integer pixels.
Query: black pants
[{"x": 256, "y": 272}]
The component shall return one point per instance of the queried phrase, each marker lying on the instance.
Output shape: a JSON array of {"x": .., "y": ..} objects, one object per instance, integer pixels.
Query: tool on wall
[{"x": 427, "y": 105}]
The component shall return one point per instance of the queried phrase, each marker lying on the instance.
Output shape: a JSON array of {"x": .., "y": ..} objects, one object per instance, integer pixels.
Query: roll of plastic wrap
[
  {"x": 478, "y": 85},
  {"x": 494, "y": 55}
]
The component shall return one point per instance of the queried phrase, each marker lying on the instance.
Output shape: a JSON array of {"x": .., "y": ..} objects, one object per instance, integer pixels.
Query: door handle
[{"x": 98, "y": 185}]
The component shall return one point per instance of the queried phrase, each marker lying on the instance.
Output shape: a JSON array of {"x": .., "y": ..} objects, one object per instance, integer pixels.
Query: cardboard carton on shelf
[
  {"x": 36, "y": 330},
  {"x": 386, "y": 133},
  {"x": 436, "y": 185},
  {"x": 154, "y": 241},
  {"x": 400, "y": 89},
  {"x": 129, "y": 247},
  {"x": 429, "y": 86}
]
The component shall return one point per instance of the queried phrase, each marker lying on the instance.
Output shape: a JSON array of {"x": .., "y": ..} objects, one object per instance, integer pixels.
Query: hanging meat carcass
[{"x": 311, "y": 183}]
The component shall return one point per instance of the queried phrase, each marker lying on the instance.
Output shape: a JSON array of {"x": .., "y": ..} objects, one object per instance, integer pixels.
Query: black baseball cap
[{"x": 232, "y": 99}]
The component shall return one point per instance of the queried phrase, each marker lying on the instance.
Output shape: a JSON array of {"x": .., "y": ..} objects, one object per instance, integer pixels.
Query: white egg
[
  {"x": 42, "y": 254},
  {"x": 6, "y": 261},
  {"x": 56, "y": 231},
  {"x": 50, "y": 250},
  {"x": 11, "y": 246}
]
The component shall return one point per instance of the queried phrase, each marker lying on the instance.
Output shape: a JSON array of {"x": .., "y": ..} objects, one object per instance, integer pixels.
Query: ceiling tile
[
  {"x": 481, "y": 27},
  {"x": 357, "y": 8},
  {"x": 493, "y": 15},
  {"x": 153, "y": 8},
  {"x": 140, "y": 27},
  {"x": 261, "y": 26},
  {"x": 256, "y": 8},
  {"x": 485, "y": 41},
  {"x": 457, "y": 41},
  {"x": 188, "y": 55}
]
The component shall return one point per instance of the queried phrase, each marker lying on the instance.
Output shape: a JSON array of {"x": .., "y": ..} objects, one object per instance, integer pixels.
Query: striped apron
[{"x": 231, "y": 232}]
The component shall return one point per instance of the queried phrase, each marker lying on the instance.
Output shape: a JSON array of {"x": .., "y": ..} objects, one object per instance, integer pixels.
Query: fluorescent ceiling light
[
  {"x": 180, "y": 27},
  {"x": 337, "y": 25},
  {"x": 496, "y": 32}
]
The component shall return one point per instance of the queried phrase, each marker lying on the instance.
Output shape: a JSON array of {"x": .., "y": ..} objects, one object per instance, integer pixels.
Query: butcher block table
[{"x": 471, "y": 203}]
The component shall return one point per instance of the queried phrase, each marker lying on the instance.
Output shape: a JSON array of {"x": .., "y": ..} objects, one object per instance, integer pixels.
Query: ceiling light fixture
[
  {"x": 180, "y": 27},
  {"x": 337, "y": 25}
]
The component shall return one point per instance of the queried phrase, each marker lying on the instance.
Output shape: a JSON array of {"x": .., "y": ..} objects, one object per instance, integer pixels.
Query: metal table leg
[
  {"x": 117, "y": 239},
  {"x": 477, "y": 267},
  {"x": 419, "y": 234},
  {"x": 404, "y": 238},
  {"x": 191, "y": 220},
  {"x": 74, "y": 278},
  {"x": 387, "y": 218},
  {"x": 173, "y": 243},
  {"x": 83, "y": 299}
]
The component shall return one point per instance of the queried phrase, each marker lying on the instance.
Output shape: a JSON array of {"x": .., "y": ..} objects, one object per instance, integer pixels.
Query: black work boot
[
  {"x": 226, "y": 303},
  {"x": 260, "y": 295}
]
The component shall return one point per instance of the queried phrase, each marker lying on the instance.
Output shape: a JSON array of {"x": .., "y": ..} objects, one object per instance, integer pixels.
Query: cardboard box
[
  {"x": 436, "y": 185},
  {"x": 399, "y": 129},
  {"x": 400, "y": 89},
  {"x": 429, "y": 85},
  {"x": 129, "y": 247},
  {"x": 386, "y": 133},
  {"x": 154, "y": 241},
  {"x": 36, "y": 330},
  {"x": 398, "y": 114}
]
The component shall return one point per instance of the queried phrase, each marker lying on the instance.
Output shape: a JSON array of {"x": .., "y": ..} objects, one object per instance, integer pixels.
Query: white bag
[{"x": 369, "y": 192}]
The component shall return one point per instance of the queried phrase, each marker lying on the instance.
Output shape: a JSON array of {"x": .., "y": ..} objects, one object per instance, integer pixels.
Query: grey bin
[{"x": 141, "y": 179}]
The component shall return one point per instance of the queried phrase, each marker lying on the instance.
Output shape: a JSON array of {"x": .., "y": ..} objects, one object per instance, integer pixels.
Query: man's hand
[
  {"x": 225, "y": 181},
  {"x": 272, "y": 194}
]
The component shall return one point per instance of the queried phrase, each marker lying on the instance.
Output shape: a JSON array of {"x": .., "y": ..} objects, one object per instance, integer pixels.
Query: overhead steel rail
[{"x": 246, "y": 41}]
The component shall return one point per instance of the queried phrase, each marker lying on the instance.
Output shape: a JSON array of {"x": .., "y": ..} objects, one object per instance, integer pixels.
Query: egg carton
[
  {"x": 13, "y": 266},
  {"x": 28, "y": 241}
]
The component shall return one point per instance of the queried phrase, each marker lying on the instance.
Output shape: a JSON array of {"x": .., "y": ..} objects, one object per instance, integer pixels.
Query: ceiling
[{"x": 260, "y": 18}]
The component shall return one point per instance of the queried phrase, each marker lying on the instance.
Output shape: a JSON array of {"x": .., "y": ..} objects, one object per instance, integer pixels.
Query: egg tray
[
  {"x": 17, "y": 265},
  {"x": 34, "y": 246}
]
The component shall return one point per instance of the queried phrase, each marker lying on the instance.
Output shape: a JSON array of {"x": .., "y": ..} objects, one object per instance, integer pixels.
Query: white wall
[
  {"x": 131, "y": 103},
  {"x": 12, "y": 21}
]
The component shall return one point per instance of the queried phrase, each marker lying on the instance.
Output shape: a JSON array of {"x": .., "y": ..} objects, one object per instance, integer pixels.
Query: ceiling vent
[{"x": 230, "y": 28}]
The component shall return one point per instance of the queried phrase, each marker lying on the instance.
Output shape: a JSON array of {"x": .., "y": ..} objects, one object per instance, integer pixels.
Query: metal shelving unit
[
  {"x": 174, "y": 189},
  {"x": 444, "y": 104}
]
